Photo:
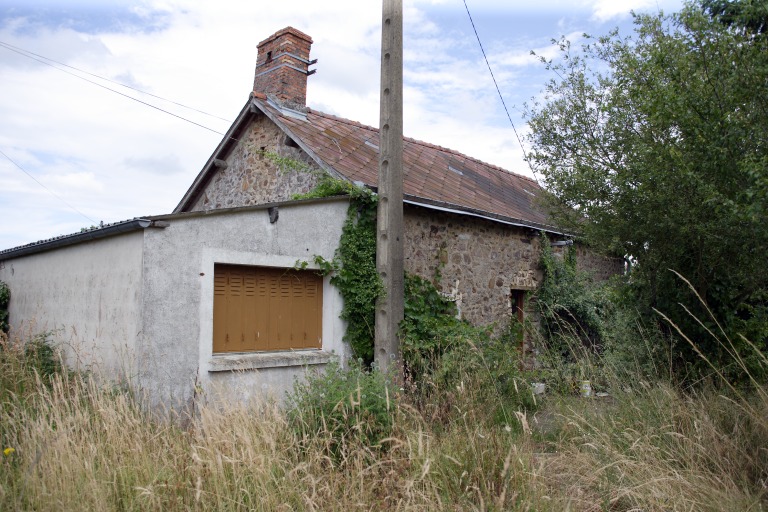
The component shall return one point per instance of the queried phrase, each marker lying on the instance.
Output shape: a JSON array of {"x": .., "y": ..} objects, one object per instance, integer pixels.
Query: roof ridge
[{"x": 426, "y": 144}]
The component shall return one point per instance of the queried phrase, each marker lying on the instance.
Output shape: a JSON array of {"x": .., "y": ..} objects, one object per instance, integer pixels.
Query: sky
[{"x": 74, "y": 153}]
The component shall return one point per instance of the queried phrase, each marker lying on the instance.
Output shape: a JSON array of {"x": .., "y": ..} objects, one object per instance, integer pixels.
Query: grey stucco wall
[
  {"x": 88, "y": 296},
  {"x": 175, "y": 354}
]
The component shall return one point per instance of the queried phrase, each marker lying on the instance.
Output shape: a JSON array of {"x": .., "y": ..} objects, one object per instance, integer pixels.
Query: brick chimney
[{"x": 282, "y": 67}]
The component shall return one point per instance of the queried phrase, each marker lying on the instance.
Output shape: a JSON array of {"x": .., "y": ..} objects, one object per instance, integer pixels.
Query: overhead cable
[
  {"x": 498, "y": 90},
  {"x": 28, "y": 53},
  {"x": 46, "y": 188},
  {"x": 110, "y": 89}
]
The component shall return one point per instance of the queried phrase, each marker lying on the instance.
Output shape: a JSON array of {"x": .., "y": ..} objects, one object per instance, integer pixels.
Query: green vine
[
  {"x": 353, "y": 268},
  {"x": 328, "y": 186},
  {"x": 5, "y": 298},
  {"x": 570, "y": 307},
  {"x": 356, "y": 277},
  {"x": 287, "y": 164},
  {"x": 429, "y": 326}
]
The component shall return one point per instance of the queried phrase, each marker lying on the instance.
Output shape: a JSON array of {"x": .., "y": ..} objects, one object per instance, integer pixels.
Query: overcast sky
[{"x": 94, "y": 155}]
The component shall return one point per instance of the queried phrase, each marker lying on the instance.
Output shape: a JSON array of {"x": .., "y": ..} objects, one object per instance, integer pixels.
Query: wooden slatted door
[{"x": 260, "y": 308}]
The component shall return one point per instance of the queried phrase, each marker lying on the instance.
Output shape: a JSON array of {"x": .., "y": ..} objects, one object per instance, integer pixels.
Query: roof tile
[{"x": 431, "y": 172}]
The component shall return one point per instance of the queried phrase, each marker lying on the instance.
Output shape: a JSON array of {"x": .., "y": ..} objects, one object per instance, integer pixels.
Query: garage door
[{"x": 261, "y": 308}]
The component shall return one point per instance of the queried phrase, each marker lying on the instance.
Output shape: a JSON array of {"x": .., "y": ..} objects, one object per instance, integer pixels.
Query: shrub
[
  {"x": 428, "y": 328},
  {"x": 5, "y": 298},
  {"x": 343, "y": 406},
  {"x": 484, "y": 373}
]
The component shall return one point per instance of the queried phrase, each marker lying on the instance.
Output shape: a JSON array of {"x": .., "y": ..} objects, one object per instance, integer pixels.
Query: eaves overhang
[
  {"x": 480, "y": 214},
  {"x": 87, "y": 235}
]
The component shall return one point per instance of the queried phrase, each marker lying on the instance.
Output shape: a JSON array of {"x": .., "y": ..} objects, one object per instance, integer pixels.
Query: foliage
[
  {"x": 24, "y": 362},
  {"x": 287, "y": 164},
  {"x": 748, "y": 15},
  {"x": 655, "y": 147},
  {"x": 357, "y": 277},
  {"x": 569, "y": 305},
  {"x": 353, "y": 267},
  {"x": 41, "y": 355},
  {"x": 450, "y": 363},
  {"x": 5, "y": 299},
  {"x": 428, "y": 328},
  {"x": 486, "y": 368},
  {"x": 73, "y": 445},
  {"x": 349, "y": 405},
  {"x": 328, "y": 186}
]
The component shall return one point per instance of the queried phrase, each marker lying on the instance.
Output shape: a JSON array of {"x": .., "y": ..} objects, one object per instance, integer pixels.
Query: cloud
[
  {"x": 605, "y": 10},
  {"x": 113, "y": 158},
  {"x": 165, "y": 164},
  {"x": 87, "y": 17}
]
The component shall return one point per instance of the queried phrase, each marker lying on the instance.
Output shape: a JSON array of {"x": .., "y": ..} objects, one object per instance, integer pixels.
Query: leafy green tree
[
  {"x": 748, "y": 15},
  {"x": 655, "y": 146}
]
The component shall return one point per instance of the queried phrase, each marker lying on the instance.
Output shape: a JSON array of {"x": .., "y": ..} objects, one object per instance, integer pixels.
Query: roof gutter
[
  {"x": 451, "y": 208},
  {"x": 77, "y": 238}
]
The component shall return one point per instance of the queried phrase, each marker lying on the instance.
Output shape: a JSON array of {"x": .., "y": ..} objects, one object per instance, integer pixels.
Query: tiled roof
[{"x": 431, "y": 173}]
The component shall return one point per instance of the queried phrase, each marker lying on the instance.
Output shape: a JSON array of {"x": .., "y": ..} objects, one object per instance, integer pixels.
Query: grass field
[{"x": 69, "y": 444}]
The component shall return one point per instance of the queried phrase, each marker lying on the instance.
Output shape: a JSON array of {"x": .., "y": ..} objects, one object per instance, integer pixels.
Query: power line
[
  {"x": 110, "y": 89},
  {"x": 498, "y": 90},
  {"x": 27, "y": 53},
  {"x": 46, "y": 188}
]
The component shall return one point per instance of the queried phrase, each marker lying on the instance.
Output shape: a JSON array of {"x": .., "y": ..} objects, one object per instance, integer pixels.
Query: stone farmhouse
[{"x": 206, "y": 300}]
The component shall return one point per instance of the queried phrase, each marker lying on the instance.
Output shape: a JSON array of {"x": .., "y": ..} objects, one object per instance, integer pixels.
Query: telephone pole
[{"x": 389, "y": 236}]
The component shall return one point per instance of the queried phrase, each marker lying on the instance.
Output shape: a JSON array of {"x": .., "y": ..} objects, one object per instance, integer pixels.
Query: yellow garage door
[{"x": 261, "y": 308}]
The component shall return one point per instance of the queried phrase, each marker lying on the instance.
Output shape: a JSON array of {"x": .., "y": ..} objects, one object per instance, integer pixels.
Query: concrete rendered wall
[
  {"x": 175, "y": 354},
  {"x": 87, "y": 295}
]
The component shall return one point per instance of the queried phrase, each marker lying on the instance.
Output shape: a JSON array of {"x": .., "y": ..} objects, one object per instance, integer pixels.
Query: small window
[{"x": 261, "y": 309}]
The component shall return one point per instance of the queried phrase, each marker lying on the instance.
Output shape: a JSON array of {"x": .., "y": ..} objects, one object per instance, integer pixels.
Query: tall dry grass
[{"x": 651, "y": 446}]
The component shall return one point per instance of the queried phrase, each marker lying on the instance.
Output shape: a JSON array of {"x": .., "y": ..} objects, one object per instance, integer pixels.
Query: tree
[
  {"x": 748, "y": 15},
  {"x": 655, "y": 146}
]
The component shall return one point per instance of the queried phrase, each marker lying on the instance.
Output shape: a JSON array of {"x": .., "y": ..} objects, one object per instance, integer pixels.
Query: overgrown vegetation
[
  {"x": 654, "y": 147},
  {"x": 328, "y": 186},
  {"x": 353, "y": 405},
  {"x": 5, "y": 299},
  {"x": 569, "y": 304},
  {"x": 353, "y": 266},
  {"x": 68, "y": 444}
]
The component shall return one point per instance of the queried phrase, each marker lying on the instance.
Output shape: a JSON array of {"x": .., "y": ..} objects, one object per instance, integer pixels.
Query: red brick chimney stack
[{"x": 282, "y": 67}]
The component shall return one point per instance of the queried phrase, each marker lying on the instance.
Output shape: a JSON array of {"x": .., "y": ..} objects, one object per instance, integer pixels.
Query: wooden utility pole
[{"x": 389, "y": 236}]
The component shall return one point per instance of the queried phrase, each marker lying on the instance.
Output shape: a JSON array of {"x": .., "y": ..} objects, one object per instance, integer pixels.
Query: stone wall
[
  {"x": 479, "y": 262},
  {"x": 600, "y": 267},
  {"x": 252, "y": 177}
]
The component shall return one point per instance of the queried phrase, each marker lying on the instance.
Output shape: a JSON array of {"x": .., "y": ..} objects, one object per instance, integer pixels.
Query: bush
[
  {"x": 484, "y": 373},
  {"x": 569, "y": 305},
  {"x": 21, "y": 362},
  {"x": 5, "y": 298},
  {"x": 343, "y": 406},
  {"x": 428, "y": 329}
]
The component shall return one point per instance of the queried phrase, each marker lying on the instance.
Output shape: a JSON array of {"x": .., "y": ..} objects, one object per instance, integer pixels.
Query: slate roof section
[{"x": 433, "y": 175}]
